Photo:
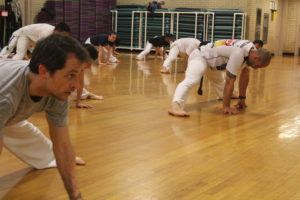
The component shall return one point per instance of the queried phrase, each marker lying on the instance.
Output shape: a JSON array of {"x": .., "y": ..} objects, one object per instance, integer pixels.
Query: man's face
[
  {"x": 257, "y": 45},
  {"x": 168, "y": 39},
  {"x": 112, "y": 38},
  {"x": 64, "y": 81}
]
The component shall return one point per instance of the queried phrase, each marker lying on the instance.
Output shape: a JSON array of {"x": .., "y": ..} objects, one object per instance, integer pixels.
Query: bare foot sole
[
  {"x": 164, "y": 71},
  {"x": 79, "y": 161},
  {"x": 95, "y": 97},
  {"x": 178, "y": 114}
]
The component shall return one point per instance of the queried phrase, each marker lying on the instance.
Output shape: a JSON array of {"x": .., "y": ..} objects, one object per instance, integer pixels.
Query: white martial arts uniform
[
  {"x": 22, "y": 37},
  {"x": 212, "y": 55},
  {"x": 180, "y": 46},
  {"x": 19, "y": 136}
]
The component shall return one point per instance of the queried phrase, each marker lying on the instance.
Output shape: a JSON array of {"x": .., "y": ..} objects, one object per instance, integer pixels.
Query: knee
[{"x": 190, "y": 82}]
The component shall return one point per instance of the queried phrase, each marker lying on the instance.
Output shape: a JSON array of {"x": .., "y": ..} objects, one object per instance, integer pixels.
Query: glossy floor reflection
[{"x": 135, "y": 150}]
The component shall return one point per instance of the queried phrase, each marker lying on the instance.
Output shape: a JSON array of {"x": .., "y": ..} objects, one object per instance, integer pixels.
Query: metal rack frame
[{"x": 143, "y": 17}]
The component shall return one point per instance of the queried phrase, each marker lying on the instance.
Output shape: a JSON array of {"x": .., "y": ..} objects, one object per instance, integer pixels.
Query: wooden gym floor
[{"x": 136, "y": 151}]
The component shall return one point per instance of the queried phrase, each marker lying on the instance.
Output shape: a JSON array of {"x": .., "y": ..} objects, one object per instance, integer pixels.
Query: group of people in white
[
  {"x": 211, "y": 59},
  {"x": 54, "y": 70}
]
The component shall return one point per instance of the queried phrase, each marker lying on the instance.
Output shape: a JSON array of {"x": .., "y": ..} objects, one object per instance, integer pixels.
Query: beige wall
[
  {"x": 207, "y": 4},
  {"x": 290, "y": 37},
  {"x": 283, "y": 31},
  {"x": 36, "y": 7}
]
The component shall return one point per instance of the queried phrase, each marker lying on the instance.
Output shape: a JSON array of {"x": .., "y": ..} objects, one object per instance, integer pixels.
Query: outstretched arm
[
  {"x": 164, "y": 53},
  {"x": 100, "y": 52},
  {"x": 243, "y": 84},
  {"x": 79, "y": 92},
  {"x": 228, "y": 90},
  {"x": 157, "y": 51},
  {"x": 1, "y": 145},
  {"x": 109, "y": 52},
  {"x": 65, "y": 159}
]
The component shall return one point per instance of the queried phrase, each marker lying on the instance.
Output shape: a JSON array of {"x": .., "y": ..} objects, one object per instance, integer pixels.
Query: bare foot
[
  {"x": 95, "y": 97},
  {"x": 139, "y": 59},
  {"x": 164, "y": 71},
  {"x": 177, "y": 111},
  {"x": 79, "y": 161}
]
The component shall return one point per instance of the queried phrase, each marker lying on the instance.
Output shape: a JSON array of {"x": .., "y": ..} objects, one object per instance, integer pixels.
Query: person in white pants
[
  {"x": 157, "y": 42},
  {"x": 43, "y": 85},
  {"x": 237, "y": 57},
  {"x": 28, "y": 35},
  {"x": 105, "y": 44},
  {"x": 184, "y": 47}
]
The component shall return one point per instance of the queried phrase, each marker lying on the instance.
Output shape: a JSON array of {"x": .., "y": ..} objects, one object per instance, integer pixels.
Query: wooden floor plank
[{"x": 136, "y": 151}]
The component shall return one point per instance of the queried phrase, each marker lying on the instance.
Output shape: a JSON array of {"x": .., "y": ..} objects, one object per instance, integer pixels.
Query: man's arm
[
  {"x": 109, "y": 48},
  {"x": 243, "y": 84},
  {"x": 115, "y": 53},
  {"x": 164, "y": 53},
  {"x": 65, "y": 159},
  {"x": 1, "y": 145},
  {"x": 79, "y": 92},
  {"x": 228, "y": 90},
  {"x": 100, "y": 51},
  {"x": 157, "y": 51}
]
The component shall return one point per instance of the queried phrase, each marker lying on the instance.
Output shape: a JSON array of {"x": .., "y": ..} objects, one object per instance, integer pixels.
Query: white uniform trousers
[
  {"x": 145, "y": 51},
  {"x": 197, "y": 66},
  {"x": 29, "y": 144},
  {"x": 174, "y": 51},
  {"x": 8, "y": 49},
  {"x": 22, "y": 46}
]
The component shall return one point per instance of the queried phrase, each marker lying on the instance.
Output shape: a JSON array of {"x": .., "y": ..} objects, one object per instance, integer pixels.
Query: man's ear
[{"x": 43, "y": 72}]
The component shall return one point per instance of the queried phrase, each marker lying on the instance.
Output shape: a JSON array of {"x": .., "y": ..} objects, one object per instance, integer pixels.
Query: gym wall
[{"x": 282, "y": 31}]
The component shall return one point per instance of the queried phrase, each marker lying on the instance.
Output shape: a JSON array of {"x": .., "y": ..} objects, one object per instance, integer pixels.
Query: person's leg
[
  {"x": 145, "y": 52},
  {"x": 217, "y": 79},
  {"x": 22, "y": 46},
  {"x": 88, "y": 95},
  {"x": 29, "y": 144},
  {"x": 8, "y": 49},
  {"x": 172, "y": 56},
  {"x": 197, "y": 65}
]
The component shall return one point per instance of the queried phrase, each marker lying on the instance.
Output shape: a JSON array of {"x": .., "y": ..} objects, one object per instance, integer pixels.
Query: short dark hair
[
  {"x": 62, "y": 27},
  {"x": 259, "y": 42},
  {"x": 112, "y": 33},
  {"x": 53, "y": 52},
  {"x": 93, "y": 53},
  {"x": 169, "y": 35}
]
